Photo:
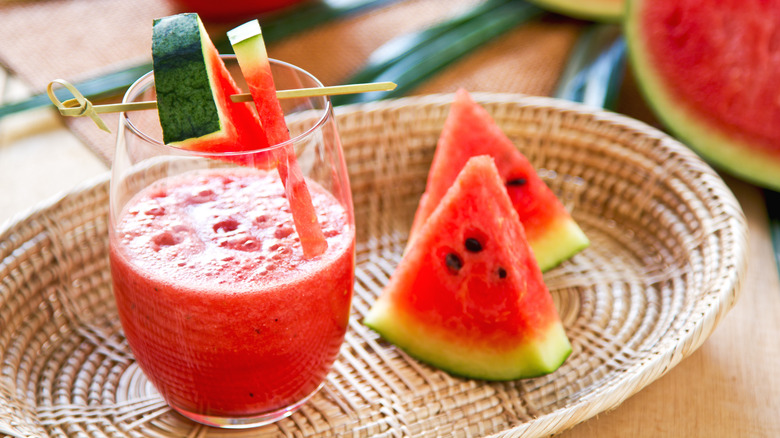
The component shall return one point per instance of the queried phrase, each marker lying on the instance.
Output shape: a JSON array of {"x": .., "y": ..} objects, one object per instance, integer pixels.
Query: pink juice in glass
[{"x": 222, "y": 311}]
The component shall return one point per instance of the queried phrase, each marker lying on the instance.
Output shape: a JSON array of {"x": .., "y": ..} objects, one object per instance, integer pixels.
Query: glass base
[{"x": 248, "y": 421}]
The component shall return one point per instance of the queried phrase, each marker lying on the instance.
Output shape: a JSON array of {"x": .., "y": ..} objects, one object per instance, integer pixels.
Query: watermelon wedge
[
  {"x": 468, "y": 296},
  {"x": 709, "y": 71},
  {"x": 249, "y": 47},
  {"x": 469, "y": 131},
  {"x": 193, "y": 91}
]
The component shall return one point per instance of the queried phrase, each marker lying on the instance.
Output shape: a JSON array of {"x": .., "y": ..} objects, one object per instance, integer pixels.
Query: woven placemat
[
  {"x": 75, "y": 39},
  {"x": 668, "y": 254}
]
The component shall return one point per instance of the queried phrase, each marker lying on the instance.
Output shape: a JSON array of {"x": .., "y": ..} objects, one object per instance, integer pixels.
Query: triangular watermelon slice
[
  {"x": 469, "y": 131},
  {"x": 468, "y": 296}
]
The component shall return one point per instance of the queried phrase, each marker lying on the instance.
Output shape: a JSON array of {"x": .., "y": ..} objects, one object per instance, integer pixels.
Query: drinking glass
[{"x": 228, "y": 318}]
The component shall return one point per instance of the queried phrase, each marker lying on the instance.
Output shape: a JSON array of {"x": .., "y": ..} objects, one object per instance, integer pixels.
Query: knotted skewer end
[{"x": 77, "y": 106}]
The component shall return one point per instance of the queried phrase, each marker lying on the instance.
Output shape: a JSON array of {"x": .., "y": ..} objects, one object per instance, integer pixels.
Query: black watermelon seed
[
  {"x": 516, "y": 182},
  {"x": 453, "y": 262},
  {"x": 501, "y": 273},
  {"x": 473, "y": 245}
]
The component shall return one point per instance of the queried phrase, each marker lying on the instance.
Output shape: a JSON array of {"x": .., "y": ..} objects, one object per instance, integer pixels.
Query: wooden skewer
[{"x": 81, "y": 106}]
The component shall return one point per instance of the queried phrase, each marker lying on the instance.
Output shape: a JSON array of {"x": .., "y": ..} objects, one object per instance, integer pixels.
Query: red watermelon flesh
[
  {"x": 685, "y": 45},
  {"x": 709, "y": 70},
  {"x": 249, "y": 47},
  {"x": 468, "y": 296},
  {"x": 249, "y": 134},
  {"x": 469, "y": 131}
]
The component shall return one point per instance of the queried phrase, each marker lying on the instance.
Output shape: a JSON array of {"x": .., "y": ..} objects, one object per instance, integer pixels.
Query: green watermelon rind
[
  {"x": 594, "y": 10},
  {"x": 535, "y": 358},
  {"x": 185, "y": 99},
  {"x": 707, "y": 139},
  {"x": 549, "y": 251}
]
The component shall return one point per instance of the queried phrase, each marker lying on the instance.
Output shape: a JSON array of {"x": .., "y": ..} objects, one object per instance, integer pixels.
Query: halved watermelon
[
  {"x": 469, "y": 131},
  {"x": 468, "y": 296},
  {"x": 606, "y": 11},
  {"x": 249, "y": 47},
  {"x": 709, "y": 70},
  {"x": 193, "y": 91}
]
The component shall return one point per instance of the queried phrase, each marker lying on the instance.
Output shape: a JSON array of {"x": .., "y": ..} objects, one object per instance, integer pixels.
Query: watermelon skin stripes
[
  {"x": 469, "y": 131},
  {"x": 468, "y": 296},
  {"x": 193, "y": 91}
]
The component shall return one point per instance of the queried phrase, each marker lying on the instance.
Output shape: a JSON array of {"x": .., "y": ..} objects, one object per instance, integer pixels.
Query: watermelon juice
[{"x": 222, "y": 311}]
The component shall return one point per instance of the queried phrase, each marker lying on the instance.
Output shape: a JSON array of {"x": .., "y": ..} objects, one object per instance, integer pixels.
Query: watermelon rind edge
[
  {"x": 593, "y": 10},
  {"x": 188, "y": 112},
  {"x": 420, "y": 343},
  {"x": 549, "y": 251},
  {"x": 714, "y": 146}
]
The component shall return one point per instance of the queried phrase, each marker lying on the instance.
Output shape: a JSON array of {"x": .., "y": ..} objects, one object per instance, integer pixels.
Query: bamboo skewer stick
[{"x": 81, "y": 106}]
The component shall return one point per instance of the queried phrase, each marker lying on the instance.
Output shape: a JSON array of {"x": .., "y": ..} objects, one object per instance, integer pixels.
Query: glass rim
[{"x": 326, "y": 112}]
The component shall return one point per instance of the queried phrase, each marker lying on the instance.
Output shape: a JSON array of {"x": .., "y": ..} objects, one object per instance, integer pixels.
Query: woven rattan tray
[{"x": 667, "y": 257}]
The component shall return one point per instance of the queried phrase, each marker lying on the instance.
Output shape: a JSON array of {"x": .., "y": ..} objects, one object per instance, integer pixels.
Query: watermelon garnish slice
[
  {"x": 469, "y": 131},
  {"x": 193, "y": 91},
  {"x": 249, "y": 47},
  {"x": 468, "y": 296}
]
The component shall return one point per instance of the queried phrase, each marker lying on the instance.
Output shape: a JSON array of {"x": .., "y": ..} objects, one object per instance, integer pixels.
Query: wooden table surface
[{"x": 730, "y": 387}]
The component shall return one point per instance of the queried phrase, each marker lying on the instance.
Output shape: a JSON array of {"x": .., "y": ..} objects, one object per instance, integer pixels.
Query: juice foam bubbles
[{"x": 222, "y": 311}]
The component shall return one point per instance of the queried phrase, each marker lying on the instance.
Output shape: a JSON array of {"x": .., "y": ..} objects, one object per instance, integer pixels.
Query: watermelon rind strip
[
  {"x": 249, "y": 47},
  {"x": 707, "y": 139}
]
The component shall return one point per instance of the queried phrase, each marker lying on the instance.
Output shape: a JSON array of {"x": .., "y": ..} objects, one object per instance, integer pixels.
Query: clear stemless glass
[{"x": 224, "y": 313}]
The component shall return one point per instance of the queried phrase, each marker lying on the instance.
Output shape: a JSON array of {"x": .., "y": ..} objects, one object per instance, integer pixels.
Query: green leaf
[
  {"x": 313, "y": 14},
  {"x": 394, "y": 50},
  {"x": 430, "y": 51},
  {"x": 595, "y": 69}
]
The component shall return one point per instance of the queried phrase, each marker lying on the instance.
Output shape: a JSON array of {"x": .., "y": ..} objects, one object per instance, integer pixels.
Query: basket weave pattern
[{"x": 667, "y": 257}]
